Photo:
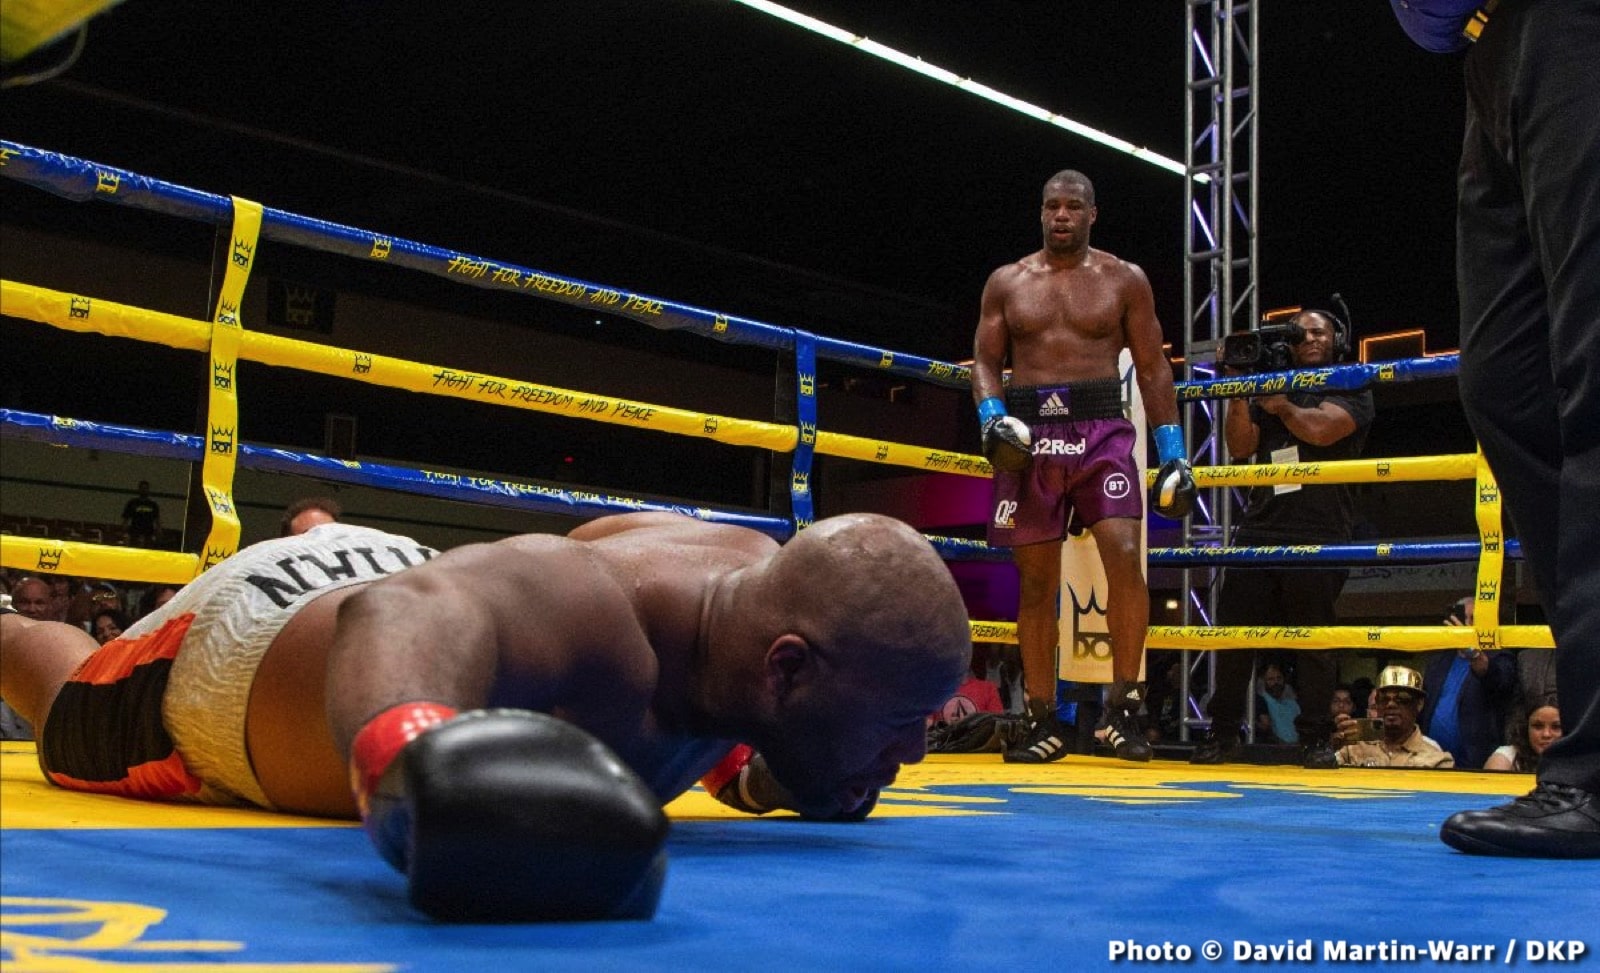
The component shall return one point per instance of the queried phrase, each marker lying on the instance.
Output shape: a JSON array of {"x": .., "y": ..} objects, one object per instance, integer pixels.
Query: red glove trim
[
  {"x": 718, "y": 777},
  {"x": 384, "y": 736}
]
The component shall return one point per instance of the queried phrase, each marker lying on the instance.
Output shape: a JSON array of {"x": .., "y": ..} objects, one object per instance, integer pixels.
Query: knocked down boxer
[{"x": 507, "y": 719}]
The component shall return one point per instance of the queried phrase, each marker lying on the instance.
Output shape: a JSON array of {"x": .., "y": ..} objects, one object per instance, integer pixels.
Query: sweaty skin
[
  {"x": 665, "y": 637},
  {"x": 1063, "y": 314}
]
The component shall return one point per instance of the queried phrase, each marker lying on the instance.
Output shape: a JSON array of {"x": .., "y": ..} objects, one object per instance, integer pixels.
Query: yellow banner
[
  {"x": 222, "y": 409},
  {"x": 41, "y": 555},
  {"x": 1401, "y": 638},
  {"x": 1491, "y": 562},
  {"x": 77, "y": 313},
  {"x": 1406, "y": 469},
  {"x": 994, "y": 631}
]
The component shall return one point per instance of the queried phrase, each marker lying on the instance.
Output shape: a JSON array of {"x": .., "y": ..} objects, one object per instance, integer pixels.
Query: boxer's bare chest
[{"x": 1083, "y": 303}]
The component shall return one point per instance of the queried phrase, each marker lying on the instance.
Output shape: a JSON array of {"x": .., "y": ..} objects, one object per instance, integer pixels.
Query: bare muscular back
[{"x": 598, "y": 628}]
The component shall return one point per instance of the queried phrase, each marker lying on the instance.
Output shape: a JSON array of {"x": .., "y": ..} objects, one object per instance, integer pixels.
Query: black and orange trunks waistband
[{"x": 1099, "y": 398}]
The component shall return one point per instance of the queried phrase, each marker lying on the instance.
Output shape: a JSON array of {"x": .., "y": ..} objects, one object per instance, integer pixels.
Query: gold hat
[{"x": 1401, "y": 677}]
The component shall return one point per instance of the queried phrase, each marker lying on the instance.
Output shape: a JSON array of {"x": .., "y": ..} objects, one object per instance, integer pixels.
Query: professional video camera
[{"x": 1270, "y": 347}]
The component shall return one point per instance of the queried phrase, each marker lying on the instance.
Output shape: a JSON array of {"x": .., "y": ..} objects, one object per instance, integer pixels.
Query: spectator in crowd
[
  {"x": 1532, "y": 738},
  {"x": 155, "y": 596},
  {"x": 1400, "y": 697},
  {"x": 1294, "y": 427},
  {"x": 1343, "y": 703},
  {"x": 1278, "y": 700},
  {"x": 306, "y": 513},
  {"x": 1266, "y": 731},
  {"x": 1536, "y": 683},
  {"x": 141, "y": 518},
  {"x": 33, "y": 597},
  {"x": 87, "y": 596},
  {"x": 62, "y": 589},
  {"x": 105, "y": 595},
  {"x": 1361, "y": 690},
  {"x": 1472, "y": 692},
  {"x": 107, "y": 624}
]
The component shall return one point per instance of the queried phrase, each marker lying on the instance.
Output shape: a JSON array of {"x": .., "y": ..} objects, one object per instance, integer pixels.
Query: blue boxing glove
[
  {"x": 1007, "y": 440},
  {"x": 509, "y": 816},
  {"x": 1172, "y": 494}
]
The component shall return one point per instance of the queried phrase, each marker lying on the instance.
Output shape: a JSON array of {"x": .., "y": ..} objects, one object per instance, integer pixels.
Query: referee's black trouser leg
[{"x": 1528, "y": 270}]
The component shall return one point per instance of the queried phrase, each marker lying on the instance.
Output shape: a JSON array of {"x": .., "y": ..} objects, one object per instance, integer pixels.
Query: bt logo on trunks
[
  {"x": 1115, "y": 486},
  {"x": 1058, "y": 447}
]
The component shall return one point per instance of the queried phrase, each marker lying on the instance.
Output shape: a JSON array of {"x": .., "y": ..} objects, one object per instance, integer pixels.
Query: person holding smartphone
[
  {"x": 1474, "y": 690},
  {"x": 1400, "y": 743}
]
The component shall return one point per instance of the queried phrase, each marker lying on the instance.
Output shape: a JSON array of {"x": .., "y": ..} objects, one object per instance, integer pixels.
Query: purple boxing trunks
[{"x": 1083, "y": 469}]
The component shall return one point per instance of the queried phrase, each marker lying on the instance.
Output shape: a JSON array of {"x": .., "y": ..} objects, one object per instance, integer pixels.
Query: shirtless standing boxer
[
  {"x": 1063, "y": 450},
  {"x": 508, "y": 718}
]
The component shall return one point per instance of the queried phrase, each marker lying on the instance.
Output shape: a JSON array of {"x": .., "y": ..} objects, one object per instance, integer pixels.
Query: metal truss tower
[{"x": 1220, "y": 282}]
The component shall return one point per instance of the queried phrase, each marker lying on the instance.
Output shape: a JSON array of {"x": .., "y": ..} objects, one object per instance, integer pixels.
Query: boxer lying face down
[{"x": 507, "y": 719}]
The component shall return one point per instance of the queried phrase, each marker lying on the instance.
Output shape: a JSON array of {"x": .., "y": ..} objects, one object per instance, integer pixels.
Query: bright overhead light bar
[{"x": 917, "y": 64}]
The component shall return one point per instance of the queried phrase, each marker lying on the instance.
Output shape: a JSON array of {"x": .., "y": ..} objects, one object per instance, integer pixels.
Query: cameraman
[{"x": 1298, "y": 427}]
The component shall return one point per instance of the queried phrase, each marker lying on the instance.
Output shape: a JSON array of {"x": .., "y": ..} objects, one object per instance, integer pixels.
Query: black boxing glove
[
  {"x": 1173, "y": 492},
  {"x": 508, "y": 816},
  {"x": 1007, "y": 440}
]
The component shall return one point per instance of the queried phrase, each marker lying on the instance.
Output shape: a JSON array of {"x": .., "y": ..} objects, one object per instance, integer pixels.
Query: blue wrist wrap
[
  {"x": 990, "y": 408},
  {"x": 1169, "y": 442}
]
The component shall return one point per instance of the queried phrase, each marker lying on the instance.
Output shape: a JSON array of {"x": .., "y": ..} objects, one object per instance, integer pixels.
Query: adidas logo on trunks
[{"x": 1053, "y": 406}]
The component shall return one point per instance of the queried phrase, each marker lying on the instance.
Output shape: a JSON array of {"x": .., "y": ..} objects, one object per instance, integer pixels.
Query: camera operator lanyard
[{"x": 1287, "y": 456}]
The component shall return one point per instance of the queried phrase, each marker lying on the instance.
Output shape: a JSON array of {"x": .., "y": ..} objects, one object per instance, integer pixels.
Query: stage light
[{"x": 917, "y": 64}]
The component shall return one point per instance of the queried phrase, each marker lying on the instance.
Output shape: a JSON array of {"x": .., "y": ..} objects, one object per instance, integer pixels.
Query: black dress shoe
[{"x": 1550, "y": 821}]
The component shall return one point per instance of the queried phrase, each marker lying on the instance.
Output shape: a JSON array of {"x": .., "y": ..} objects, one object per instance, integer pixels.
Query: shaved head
[
  {"x": 866, "y": 585},
  {"x": 867, "y": 634},
  {"x": 1071, "y": 177}
]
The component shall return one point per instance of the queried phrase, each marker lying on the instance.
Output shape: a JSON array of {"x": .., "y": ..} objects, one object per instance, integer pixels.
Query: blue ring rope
[
  {"x": 83, "y": 181},
  {"x": 1323, "y": 555},
  {"x": 34, "y": 427}
]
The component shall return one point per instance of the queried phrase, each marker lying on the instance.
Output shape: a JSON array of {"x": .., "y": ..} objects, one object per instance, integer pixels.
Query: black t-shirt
[
  {"x": 141, "y": 514},
  {"x": 1325, "y": 513}
]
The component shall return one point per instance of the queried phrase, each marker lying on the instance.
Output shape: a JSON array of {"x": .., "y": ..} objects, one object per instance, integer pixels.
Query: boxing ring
[{"x": 1001, "y": 864}]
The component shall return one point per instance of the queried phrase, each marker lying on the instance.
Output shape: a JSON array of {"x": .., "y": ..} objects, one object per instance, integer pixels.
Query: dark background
[
  {"x": 703, "y": 152},
  {"x": 585, "y": 137}
]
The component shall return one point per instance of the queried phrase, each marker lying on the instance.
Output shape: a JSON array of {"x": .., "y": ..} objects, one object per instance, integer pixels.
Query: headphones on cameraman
[{"x": 1341, "y": 326}]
